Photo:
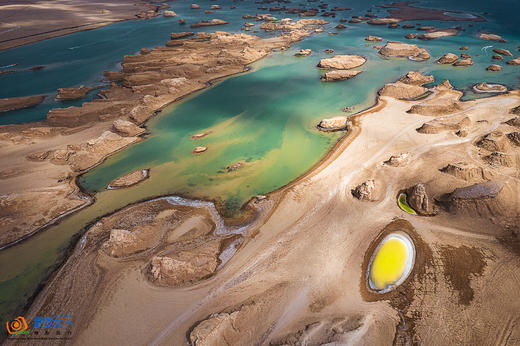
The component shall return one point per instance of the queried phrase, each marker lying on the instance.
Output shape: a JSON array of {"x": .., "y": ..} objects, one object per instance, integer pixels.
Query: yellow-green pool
[{"x": 391, "y": 262}]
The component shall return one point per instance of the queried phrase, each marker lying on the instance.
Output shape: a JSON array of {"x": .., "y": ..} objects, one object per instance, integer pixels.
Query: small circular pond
[{"x": 391, "y": 262}]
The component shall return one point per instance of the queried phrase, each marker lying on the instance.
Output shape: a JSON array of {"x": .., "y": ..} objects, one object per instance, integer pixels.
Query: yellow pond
[{"x": 389, "y": 264}]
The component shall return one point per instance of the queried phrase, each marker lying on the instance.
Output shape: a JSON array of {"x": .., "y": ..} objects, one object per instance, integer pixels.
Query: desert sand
[
  {"x": 25, "y": 21},
  {"x": 299, "y": 271}
]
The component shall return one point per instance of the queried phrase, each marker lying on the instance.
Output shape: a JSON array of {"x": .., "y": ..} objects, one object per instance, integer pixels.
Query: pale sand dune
[{"x": 26, "y": 21}]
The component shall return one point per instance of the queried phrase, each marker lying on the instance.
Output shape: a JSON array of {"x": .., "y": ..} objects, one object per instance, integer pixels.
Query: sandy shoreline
[
  {"x": 272, "y": 253},
  {"x": 23, "y": 22}
]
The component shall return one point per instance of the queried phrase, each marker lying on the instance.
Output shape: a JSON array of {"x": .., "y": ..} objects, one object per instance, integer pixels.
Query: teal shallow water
[{"x": 265, "y": 118}]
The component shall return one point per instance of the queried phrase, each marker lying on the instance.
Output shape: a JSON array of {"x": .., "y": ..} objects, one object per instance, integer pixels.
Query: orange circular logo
[{"x": 16, "y": 326}]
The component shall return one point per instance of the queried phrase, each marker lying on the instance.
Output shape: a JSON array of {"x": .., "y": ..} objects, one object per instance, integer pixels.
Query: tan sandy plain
[
  {"x": 27, "y": 21},
  {"x": 299, "y": 276}
]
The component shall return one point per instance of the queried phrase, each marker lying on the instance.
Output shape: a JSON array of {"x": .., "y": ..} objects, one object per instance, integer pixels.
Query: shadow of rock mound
[{"x": 485, "y": 199}]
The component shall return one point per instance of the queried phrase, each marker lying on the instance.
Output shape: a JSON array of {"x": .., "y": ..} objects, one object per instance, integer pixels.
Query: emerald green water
[{"x": 265, "y": 118}]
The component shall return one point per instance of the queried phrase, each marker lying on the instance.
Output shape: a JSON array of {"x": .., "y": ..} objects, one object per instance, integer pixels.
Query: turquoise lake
[{"x": 265, "y": 118}]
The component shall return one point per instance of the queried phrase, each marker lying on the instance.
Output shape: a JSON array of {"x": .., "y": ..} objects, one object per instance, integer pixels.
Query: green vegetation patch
[{"x": 404, "y": 205}]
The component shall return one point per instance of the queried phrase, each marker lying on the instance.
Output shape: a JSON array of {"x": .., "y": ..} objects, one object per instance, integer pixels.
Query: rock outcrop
[
  {"x": 129, "y": 179},
  {"x": 15, "y": 103},
  {"x": 169, "y": 14},
  {"x": 339, "y": 75},
  {"x": 490, "y": 37},
  {"x": 73, "y": 93},
  {"x": 494, "y": 68},
  {"x": 514, "y": 62},
  {"x": 404, "y": 50},
  {"x": 383, "y": 21},
  {"x": 463, "y": 62},
  {"x": 493, "y": 141},
  {"x": 498, "y": 159},
  {"x": 400, "y": 90},
  {"x": 397, "y": 160},
  {"x": 177, "y": 35},
  {"x": 342, "y": 62},
  {"x": 303, "y": 52},
  {"x": 212, "y": 22},
  {"x": 126, "y": 128},
  {"x": 187, "y": 266},
  {"x": 448, "y": 58},
  {"x": 503, "y": 52},
  {"x": 465, "y": 171},
  {"x": 199, "y": 150},
  {"x": 514, "y": 138},
  {"x": 365, "y": 191},
  {"x": 440, "y": 125},
  {"x": 419, "y": 200},
  {"x": 445, "y": 102},
  {"x": 416, "y": 78},
  {"x": 438, "y": 33},
  {"x": 124, "y": 242},
  {"x": 489, "y": 88},
  {"x": 373, "y": 38},
  {"x": 334, "y": 124}
]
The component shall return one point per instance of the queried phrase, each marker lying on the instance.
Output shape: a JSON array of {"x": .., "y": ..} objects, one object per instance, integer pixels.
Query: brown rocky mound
[
  {"x": 210, "y": 23},
  {"x": 465, "y": 171},
  {"x": 15, "y": 103},
  {"x": 493, "y": 141},
  {"x": 126, "y": 128},
  {"x": 334, "y": 124},
  {"x": 187, "y": 266},
  {"x": 438, "y": 33},
  {"x": 444, "y": 103},
  {"x": 129, "y": 179},
  {"x": 494, "y": 68},
  {"x": 501, "y": 51},
  {"x": 176, "y": 35},
  {"x": 404, "y": 50},
  {"x": 497, "y": 159},
  {"x": 402, "y": 90},
  {"x": 365, "y": 191},
  {"x": 419, "y": 200},
  {"x": 485, "y": 87},
  {"x": 491, "y": 37},
  {"x": 514, "y": 137},
  {"x": 73, "y": 93},
  {"x": 342, "y": 62},
  {"x": 439, "y": 125},
  {"x": 448, "y": 58},
  {"x": 415, "y": 78},
  {"x": 371, "y": 38},
  {"x": 339, "y": 75},
  {"x": 463, "y": 62}
]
